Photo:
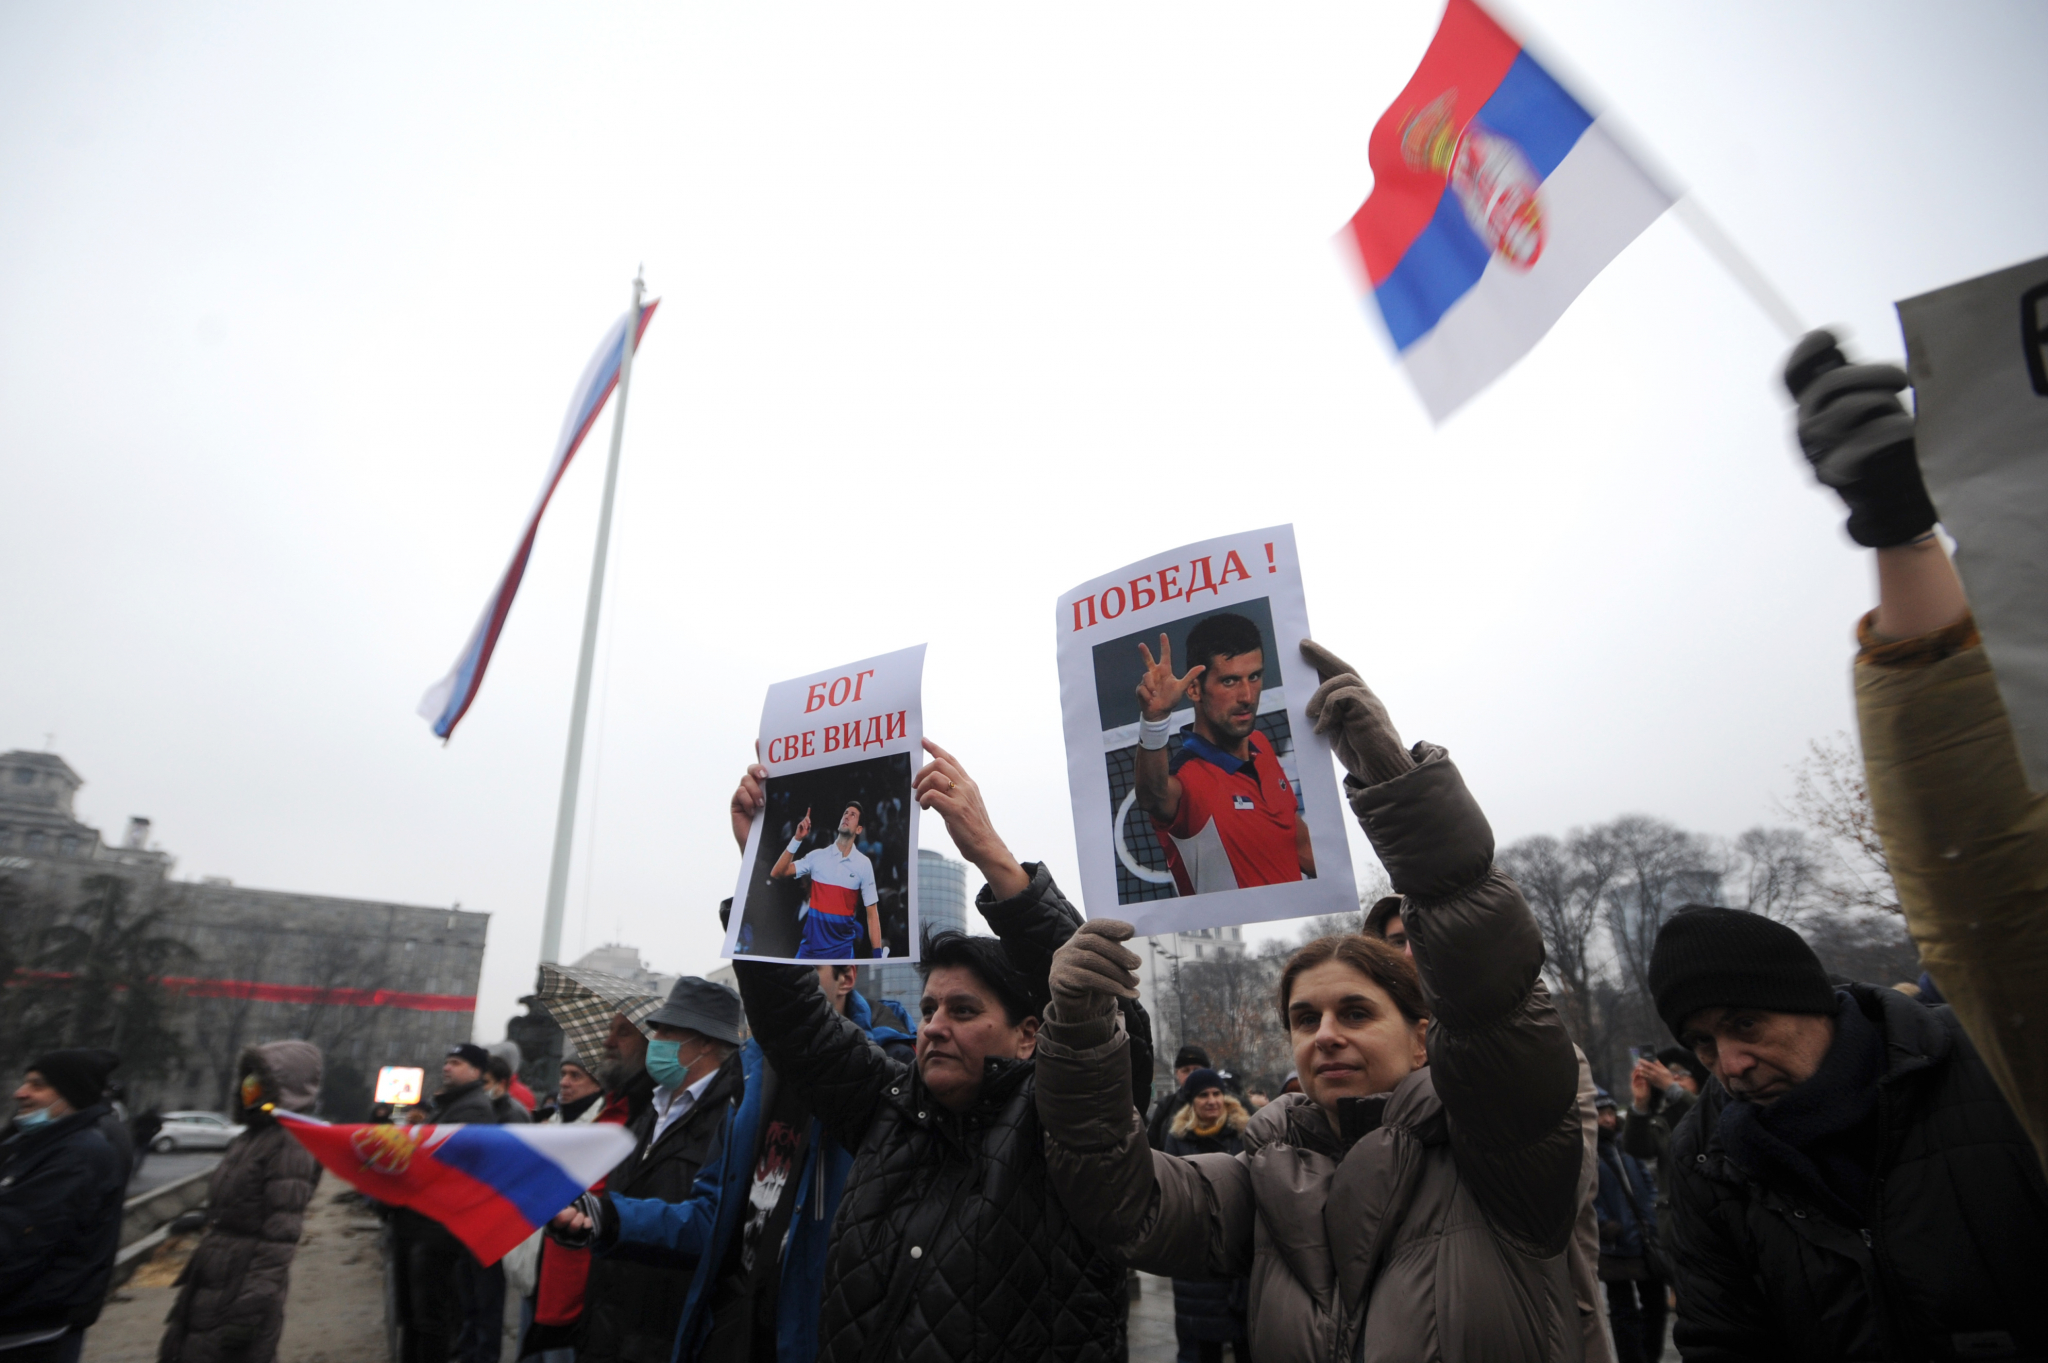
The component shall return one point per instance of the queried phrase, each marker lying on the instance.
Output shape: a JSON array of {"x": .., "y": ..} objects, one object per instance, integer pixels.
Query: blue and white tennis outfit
[{"x": 841, "y": 886}]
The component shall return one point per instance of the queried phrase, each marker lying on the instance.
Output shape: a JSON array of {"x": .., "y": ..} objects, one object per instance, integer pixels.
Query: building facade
[
  {"x": 218, "y": 966},
  {"x": 941, "y": 907}
]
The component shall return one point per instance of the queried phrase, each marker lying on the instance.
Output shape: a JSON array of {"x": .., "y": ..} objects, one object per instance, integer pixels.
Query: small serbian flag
[
  {"x": 448, "y": 699},
  {"x": 491, "y": 1186},
  {"x": 1496, "y": 198}
]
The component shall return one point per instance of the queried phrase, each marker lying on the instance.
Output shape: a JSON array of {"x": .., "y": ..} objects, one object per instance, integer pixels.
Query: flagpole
[
  {"x": 572, "y": 763},
  {"x": 1732, "y": 258}
]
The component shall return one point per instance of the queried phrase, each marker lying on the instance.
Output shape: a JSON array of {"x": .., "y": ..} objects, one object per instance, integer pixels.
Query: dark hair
[
  {"x": 499, "y": 1069},
  {"x": 1385, "y": 965},
  {"x": 853, "y": 805},
  {"x": 987, "y": 960},
  {"x": 1222, "y": 636}
]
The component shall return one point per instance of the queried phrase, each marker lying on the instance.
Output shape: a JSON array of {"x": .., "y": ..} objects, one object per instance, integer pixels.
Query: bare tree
[
  {"x": 1659, "y": 868},
  {"x": 1776, "y": 872},
  {"x": 1832, "y": 800},
  {"x": 1232, "y": 1012},
  {"x": 1566, "y": 883}
]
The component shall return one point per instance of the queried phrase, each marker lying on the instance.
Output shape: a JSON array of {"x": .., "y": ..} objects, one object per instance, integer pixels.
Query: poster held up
[
  {"x": 829, "y": 871},
  {"x": 1227, "y": 810},
  {"x": 1978, "y": 356}
]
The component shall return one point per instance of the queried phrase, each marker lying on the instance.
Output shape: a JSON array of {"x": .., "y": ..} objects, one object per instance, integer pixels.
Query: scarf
[{"x": 1819, "y": 1138}]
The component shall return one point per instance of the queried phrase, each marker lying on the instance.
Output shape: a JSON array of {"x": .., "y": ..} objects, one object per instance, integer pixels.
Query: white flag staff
[{"x": 593, "y": 607}]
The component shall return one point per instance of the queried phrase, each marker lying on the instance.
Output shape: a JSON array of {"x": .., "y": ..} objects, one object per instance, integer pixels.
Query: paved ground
[
  {"x": 335, "y": 1313},
  {"x": 157, "y": 1170}
]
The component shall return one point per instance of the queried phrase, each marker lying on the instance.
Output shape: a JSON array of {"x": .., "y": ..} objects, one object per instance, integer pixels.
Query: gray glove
[
  {"x": 591, "y": 1205},
  {"x": 1092, "y": 970},
  {"x": 1345, "y": 709},
  {"x": 1859, "y": 439}
]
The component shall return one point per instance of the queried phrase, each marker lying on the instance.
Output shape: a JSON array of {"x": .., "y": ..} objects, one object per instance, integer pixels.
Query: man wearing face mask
[
  {"x": 60, "y": 1207},
  {"x": 634, "y": 1300}
]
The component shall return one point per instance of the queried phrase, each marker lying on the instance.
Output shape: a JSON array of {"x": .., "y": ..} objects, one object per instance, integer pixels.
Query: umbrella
[{"x": 582, "y": 1003}]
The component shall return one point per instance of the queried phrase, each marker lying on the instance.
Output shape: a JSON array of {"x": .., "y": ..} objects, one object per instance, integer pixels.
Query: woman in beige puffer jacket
[
  {"x": 230, "y": 1306},
  {"x": 1438, "y": 1228}
]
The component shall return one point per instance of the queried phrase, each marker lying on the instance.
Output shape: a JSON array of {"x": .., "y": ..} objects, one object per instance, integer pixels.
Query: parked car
[{"x": 194, "y": 1131}]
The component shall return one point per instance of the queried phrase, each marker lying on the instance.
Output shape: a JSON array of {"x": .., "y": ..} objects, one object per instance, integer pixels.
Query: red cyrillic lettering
[
  {"x": 1231, "y": 560},
  {"x": 860, "y": 680},
  {"x": 849, "y": 734},
  {"x": 831, "y": 738},
  {"x": 1205, "y": 580},
  {"x": 816, "y": 699},
  {"x": 899, "y": 725},
  {"x": 810, "y": 749},
  {"x": 842, "y": 687},
  {"x": 1142, "y": 594},
  {"x": 1169, "y": 584},
  {"x": 873, "y": 737},
  {"x": 1107, "y": 613},
  {"x": 1089, "y": 602},
  {"x": 773, "y": 744}
]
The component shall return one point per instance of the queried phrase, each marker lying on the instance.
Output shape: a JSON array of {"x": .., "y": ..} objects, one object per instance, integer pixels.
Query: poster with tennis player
[
  {"x": 829, "y": 872},
  {"x": 1202, "y": 797}
]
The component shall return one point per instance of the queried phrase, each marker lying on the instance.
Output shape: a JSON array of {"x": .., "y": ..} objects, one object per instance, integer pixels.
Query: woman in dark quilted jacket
[
  {"x": 1416, "y": 1202},
  {"x": 949, "y": 1245},
  {"x": 230, "y": 1306}
]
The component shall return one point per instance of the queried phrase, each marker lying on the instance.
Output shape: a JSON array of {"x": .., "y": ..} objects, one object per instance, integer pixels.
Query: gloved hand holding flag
[{"x": 491, "y": 1186}]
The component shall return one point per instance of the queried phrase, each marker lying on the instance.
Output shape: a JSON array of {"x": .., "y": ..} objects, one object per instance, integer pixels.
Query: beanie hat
[
  {"x": 1709, "y": 957},
  {"x": 79, "y": 1074},
  {"x": 1202, "y": 1079},
  {"x": 1191, "y": 1055},
  {"x": 1602, "y": 1098},
  {"x": 472, "y": 1054}
]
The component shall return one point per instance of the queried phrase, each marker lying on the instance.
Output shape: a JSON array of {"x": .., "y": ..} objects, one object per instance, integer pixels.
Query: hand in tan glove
[
  {"x": 1093, "y": 969},
  {"x": 1345, "y": 708}
]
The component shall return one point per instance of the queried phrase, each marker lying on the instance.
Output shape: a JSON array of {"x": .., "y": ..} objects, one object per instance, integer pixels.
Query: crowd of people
[{"x": 1818, "y": 1168}]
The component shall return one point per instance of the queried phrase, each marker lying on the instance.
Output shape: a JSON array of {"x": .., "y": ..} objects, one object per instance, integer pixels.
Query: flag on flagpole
[
  {"x": 448, "y": 699},
  {"x": 491, "y": 1186},
  {"x": 1496, "y": 199}
]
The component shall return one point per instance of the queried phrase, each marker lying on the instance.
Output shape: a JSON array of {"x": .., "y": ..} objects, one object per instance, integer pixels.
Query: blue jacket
[
  {"x": 1626, "y": 1198},
  {"x": 702, "y": 1226}
]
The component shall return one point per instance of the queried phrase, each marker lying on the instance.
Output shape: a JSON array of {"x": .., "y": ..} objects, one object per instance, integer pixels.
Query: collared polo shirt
[{"x": 1235, "y": 824}]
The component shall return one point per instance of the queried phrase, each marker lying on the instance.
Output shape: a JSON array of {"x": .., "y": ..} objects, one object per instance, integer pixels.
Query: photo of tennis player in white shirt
[{"x": 842, "y": 887}]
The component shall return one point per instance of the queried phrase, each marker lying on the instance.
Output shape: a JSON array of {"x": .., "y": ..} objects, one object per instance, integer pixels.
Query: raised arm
[
  {"x": 1966, "y": 840},
  {"x": 1499, "y": 1054},
  {"x": 1159, "y": 691},
  {"x": 1181, "y": 1217},
  {"x": 823, "y": 1056}
]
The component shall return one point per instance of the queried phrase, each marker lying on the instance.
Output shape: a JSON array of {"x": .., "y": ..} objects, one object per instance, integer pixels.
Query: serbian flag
[
  {"x": 491, "y": 1186},
  {"x": 1496, "y": 198},
  {"x": 448, "y": 699}
]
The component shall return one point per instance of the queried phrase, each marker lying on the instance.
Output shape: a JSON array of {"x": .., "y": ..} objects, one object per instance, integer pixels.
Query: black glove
[{"x": 1859, "y": 439}]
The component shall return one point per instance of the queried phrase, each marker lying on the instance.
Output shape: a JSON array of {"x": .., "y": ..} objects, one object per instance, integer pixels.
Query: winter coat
[
  {"x": 633, "y": 1301},
  {"x": 231, "y": 1298},
  {"x": 510, "y": 1112},
  {"x": 1967, "y": 844},
  {"x": 1627, "y": 1203},
  {"x": 1208, "y": 1309},
  {"x": 60, "y": 1222},
  {"x": 1950, "y": 1249},
  {"x": 1443, "y": 1234},
  {"x": 949, "y": 1244},
  {"x": 703, "y": 1227},
  {"x": 1647, "y": 1135},
  {"x": 465, "y": 1105}
]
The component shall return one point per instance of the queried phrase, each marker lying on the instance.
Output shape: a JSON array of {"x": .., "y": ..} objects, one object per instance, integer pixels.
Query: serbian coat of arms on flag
[{"x": 1496, "y": 198}]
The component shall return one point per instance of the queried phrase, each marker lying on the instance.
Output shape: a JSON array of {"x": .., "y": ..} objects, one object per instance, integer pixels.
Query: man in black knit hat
[{"x": 1852, "y": 1184}]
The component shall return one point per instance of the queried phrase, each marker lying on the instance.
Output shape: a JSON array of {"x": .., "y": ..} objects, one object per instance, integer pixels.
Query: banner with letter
[
  {"x": 1201, "y": 796},
  {"x": 830, "y": 870}
]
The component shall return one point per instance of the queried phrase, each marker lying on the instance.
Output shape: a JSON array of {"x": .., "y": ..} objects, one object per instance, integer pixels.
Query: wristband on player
[
  {"x": 794, "y": 844},
  {"x": 1152, "y": 732}
]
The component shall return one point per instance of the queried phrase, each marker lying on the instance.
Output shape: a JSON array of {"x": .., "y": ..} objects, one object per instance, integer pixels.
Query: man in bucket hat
[{"x": 631, "y": 1308}]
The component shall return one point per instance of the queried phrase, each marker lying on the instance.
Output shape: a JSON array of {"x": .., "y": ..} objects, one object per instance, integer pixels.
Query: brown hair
[{"x": 1385, "y": 965}]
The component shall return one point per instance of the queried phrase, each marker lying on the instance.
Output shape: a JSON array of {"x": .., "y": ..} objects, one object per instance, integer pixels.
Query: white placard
[
  {"x": 831, "y": 863},
  {"x": 1978, "y": 356},
  {"x": 400, "y": 1085},
  {"x": 1236, "y": 842}
]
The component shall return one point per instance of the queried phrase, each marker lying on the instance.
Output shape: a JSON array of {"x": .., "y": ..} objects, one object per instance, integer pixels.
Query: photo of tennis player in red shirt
[{"x": 1221, "y": 806}]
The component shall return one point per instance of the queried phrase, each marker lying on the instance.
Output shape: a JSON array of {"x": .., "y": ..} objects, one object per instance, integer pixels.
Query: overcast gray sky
[{"x": 961, "y": 306}]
